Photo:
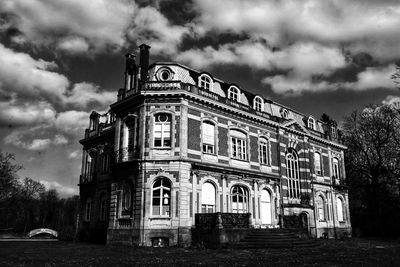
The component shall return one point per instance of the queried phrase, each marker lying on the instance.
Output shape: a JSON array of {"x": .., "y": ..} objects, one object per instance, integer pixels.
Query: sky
[{"x": 59, "y": 60}]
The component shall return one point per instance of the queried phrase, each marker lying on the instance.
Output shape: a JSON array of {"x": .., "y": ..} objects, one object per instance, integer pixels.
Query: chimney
[
  {"x": 144, "y": 62},
  {"x": 130, "y": 71}
]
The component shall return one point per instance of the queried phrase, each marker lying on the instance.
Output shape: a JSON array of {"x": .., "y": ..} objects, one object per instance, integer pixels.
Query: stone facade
[{"x": 179, "y": 142}]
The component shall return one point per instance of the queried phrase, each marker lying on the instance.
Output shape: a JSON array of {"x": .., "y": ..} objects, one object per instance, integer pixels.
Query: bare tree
[{"x": 373, "y": 166}]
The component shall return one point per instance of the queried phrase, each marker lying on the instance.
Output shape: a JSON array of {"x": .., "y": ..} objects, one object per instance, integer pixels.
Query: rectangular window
[
  {"x": 208, "y": 137},
  {"x": 263, "y": 150},
  {"x": 105, "y": 163},
  {"x": 317, "y": 163},
  {"x": 162, "y": 130},
  {"x": 238, "y": 148},
  {"x": 321, "y": 215}
]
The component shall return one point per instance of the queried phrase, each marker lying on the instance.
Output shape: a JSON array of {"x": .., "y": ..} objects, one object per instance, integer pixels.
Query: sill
[
  {"x": 322, "y": 221},
  {"x": 265, "y": 164},
  {"x": 159, "y": 218},
  {"x": 124, "y": 217},
  {"x": 244, "y": 160},
  {"x": 207, "y": 153},
  {"x": 162, "y": 148}
]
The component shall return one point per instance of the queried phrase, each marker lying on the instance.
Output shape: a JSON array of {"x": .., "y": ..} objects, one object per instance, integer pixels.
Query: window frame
[
  {"x": 340, "y": 215},
  {"x": 263, "y": 142},
  {"x": 162, "y": 197},
  {"x": 103, "y": 207},
  {"x": 160, "y": 72},
  {"x": 204, "y": 145},
  {"x": 258, "y": 103},
  {"x": 235, "y": 96},
  {"x": 336, "y": 168},
  {"x": 163, "y": 136},
  {"x": 205, "y": 207},
  {"x": 244, "y": 194},
  {"x": 202, "y": 82},
  {"x": 293, "y": 174},
  {"x": 311, "y": 123},
  {"x": 321, "y": 206},
  {"x": 238, "y": 145},
  {"x": 320, "y": 173},
  {"x": 88, "y": 210}
]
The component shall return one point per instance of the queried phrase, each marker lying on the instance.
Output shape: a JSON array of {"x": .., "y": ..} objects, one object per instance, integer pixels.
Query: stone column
[
  {"x": 194, "y": 195},
  {"x": 256, "y": 214},
  {"x": 224, "y": 207}
]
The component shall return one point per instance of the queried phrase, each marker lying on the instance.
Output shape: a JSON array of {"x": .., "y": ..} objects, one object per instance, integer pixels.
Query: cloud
[
  {"x": 73, "y": 45},
  {"x": 374, "y": 77},
  {"x": 301, "y": 58},
  {"x": 38, "y": 138},
  {"x": 18, "y": 114},
  {"x": 27, "y": 77},
  {"x": 370, "y": 78},
  {"x": 74, "y": 154},
  {"x": 362, "y": 26},
  {"x": 64, "y": 191},
  {"x": 72, "y": 121},
  {"x": 101, "y": 24},
  {"x": 83, "y": 94},
  {"x": 60, "y": 139},
  {"x": 152, "y": 27}
]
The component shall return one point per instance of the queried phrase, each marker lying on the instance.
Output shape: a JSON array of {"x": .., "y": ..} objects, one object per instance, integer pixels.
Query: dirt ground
[{"x": 354, "y": 252}]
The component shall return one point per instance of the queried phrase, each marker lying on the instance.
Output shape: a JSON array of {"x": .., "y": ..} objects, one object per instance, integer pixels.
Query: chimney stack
[
  {"x": 144, "y": 62},
  {"x": 130, "y": 71}
]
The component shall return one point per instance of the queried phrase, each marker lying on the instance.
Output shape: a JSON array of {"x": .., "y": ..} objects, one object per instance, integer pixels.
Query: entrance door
[{"x": 265, "y": 207}]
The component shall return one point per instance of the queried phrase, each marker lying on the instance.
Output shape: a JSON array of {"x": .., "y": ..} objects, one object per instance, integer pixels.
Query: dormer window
[
  {"x": 165, "y": 74},
  {"x": 234, "y": 93},
  {"x": 284, "y": 113},
  {"x": 333, "y": 131},
  {"x": 258, "y": 103},
  {"x": 311, "y": 123},
  {"x": 205, "y": 82}
]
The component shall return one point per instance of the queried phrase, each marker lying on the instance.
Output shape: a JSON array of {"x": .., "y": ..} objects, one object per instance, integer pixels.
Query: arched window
[
  {"x": 161, "y": 197},
  {"x": 292, "y": 173},
  {"x": 103, "y": 207},
  {"x": 335, "y": 168},
  {"x": 126, "y": 199},
  {"x": 240, "y": 199},
  {"x": 263, "y": 149},
  {"x": 311, "y": 123},
  {"x": 258, "y": 103},
  {"x": 88, "y": 209},
  {"x": 162, "y": 130},
  {"x": 208, "y": 137},
  {"x": 234, "y": 93},
  {"x": 340, "y": 210},
  {"x": 317, "y": 163},
  {"x": 321, "y": 208},
  {"x": 238, "y": 144},
  {"x": 205, "y": 82},
  {"x": 207, "y": 198}
]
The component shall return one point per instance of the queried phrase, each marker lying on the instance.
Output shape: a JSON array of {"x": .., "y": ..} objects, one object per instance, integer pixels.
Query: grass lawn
[{"x": 354, "y": 252}]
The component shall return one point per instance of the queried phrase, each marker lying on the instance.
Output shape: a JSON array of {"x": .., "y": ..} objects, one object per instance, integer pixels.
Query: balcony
[{"x": 125, "y": 154}]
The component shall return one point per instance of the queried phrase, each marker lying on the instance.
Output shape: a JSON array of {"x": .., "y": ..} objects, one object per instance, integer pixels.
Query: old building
[{"x": 178, "y": 142}]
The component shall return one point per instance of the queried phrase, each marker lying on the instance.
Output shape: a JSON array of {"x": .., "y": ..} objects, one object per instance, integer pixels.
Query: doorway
[{"x": 266, "y": 214}]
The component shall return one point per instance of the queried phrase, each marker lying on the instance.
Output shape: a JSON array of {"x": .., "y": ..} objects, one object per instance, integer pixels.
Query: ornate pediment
[{"x": 294, "y": 125}]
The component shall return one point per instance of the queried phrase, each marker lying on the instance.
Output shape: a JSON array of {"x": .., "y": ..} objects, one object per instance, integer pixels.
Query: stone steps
[{"x": 274, "y": 238}]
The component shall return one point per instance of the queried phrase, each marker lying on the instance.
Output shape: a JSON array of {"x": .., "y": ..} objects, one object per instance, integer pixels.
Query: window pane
[
  {"x": 208, "y": 194},
  {"x": 156, "y": 210}
]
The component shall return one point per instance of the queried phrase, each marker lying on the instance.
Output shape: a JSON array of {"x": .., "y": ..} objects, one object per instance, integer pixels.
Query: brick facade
[{"x": 168, "y": 155}]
